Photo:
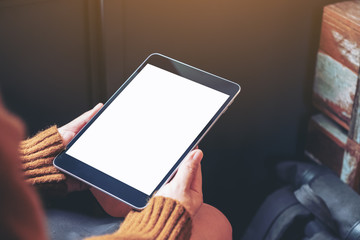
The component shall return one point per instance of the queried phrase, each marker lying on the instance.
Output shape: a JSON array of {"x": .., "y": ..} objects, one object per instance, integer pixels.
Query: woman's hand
[
  {"x": 67, "y": 133},
  {"x": 69, "y": 130},
  {"x": 186, "y": 186}
]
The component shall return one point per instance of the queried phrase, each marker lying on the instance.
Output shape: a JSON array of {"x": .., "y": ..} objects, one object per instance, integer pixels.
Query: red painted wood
[{"x": 338, "y": 61}]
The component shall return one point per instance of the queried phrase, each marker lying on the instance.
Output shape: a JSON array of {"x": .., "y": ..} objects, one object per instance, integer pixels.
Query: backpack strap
[
  {"x": 308, "y": 198},
  {"x": 275, "y": 215},
  {"x": 291, "y": 222},
  {"x": 315, "y": 204},
  {"x": 323, "y": 236},
  {"x": 354, "y": 233}
]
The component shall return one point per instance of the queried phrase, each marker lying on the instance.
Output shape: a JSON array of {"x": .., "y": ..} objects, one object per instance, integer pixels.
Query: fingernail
[
  {"x": 197, "y": 155},
  {"x": 67, "y": 136}
]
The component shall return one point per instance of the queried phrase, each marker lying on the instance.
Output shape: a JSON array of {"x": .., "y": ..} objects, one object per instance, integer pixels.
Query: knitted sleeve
[
  {"x": 163, "y": 218},
  {"x": 37, "y": 155}
]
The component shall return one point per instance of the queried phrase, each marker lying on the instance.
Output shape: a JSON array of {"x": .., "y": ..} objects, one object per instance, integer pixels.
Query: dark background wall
[{"x": 59, "y": 57}]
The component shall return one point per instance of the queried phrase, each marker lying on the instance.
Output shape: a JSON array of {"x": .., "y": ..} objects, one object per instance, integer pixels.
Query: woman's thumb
[{"x": 188, "y": 168}]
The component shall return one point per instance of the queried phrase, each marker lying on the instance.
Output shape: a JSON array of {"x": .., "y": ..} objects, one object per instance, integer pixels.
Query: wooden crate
[
  {"x": 334, "y": 136},
  {"x": 338, "y": 61},
  {"x": 328, "y": 144}
]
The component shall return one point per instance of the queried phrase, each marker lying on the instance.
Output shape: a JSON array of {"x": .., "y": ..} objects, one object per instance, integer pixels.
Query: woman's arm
[
  {"x": 37, "y": 155},
  {"x": 169, "y": 214}
]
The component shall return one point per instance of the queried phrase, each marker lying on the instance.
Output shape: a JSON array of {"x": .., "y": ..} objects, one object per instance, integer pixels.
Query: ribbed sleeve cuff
[
  {"x": 37, "y": 155},
  {"x": 163, "y": 218}
]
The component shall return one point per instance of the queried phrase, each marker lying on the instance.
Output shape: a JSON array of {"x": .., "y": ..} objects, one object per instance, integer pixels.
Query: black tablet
[{"x": 134, "y": 144}]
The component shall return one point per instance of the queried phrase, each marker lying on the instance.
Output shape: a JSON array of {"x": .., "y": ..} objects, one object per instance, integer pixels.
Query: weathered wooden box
[
  {"x": 329, "y": 144},
  {"x": 334, "y": 136},
  {"x": 337, "y": 68}
]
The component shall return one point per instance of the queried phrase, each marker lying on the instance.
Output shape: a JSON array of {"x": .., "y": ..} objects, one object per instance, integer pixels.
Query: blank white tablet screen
[{"x": 147, "y": 128}]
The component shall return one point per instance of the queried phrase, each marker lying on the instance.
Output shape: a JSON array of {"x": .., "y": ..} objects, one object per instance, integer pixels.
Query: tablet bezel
[{"x": 116, "y": 188}]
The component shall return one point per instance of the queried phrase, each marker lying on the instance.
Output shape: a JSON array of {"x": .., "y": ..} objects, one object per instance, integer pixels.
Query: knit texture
[
  {"x": 163, "y": 218},
  {"x": 37, "y": 155}
]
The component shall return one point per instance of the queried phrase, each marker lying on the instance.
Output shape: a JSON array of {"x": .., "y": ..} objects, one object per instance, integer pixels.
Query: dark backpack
[{"x": 315, "y": 204}]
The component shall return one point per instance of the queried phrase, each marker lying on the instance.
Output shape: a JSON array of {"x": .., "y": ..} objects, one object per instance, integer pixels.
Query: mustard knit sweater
[{"x": 163, "y": 218}]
